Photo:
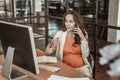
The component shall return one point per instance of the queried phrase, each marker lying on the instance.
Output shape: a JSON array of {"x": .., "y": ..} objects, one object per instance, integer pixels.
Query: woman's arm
[
  {"x": 53, "y": 44},
  {"x": 85, "y": 47},
  {"x": 40, "y": 52}
]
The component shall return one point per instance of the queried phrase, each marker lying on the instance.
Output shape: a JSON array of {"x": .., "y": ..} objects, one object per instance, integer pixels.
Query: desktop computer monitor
[{"x": 20, "y": 37}]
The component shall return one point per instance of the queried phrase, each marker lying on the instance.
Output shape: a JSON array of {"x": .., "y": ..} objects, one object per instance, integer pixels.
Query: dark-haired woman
[{"x": 71, "y": 44}]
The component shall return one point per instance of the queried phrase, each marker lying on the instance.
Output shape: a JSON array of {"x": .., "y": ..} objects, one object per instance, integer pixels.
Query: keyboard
[{"x": 17, "y": 74}]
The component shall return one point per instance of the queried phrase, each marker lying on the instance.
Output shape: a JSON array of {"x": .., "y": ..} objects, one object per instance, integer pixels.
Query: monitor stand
[{"x": 8, "y": 70}]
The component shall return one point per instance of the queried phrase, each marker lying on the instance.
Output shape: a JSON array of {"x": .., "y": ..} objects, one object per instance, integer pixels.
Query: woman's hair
[{"x": 78, "y": 21}]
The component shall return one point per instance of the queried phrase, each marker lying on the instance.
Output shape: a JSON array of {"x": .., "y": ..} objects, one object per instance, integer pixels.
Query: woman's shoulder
[{"x": 60, "y": 32}]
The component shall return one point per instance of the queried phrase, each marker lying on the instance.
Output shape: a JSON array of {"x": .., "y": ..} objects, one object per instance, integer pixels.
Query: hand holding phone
[
  {"x": 77, "y": 38},
  {"x": 76, "y": 29}
]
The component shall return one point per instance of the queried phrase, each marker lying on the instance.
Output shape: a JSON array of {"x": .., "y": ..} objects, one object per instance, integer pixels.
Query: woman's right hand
[
  {"x": 53, "y": 43},
  {"x": 40, "y": 52}
]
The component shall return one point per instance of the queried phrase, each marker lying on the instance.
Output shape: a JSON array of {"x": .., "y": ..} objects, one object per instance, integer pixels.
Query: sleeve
[
  {"x": 85, "y": 48},
  {"x": 51, "y": 50}
]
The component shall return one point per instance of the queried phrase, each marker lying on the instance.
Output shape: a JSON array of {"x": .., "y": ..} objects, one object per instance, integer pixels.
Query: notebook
[{"x": 55, "y": 77}]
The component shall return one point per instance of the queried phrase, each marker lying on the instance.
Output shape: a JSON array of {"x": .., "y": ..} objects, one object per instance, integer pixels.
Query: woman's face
[{"x": 69, "y": 22}]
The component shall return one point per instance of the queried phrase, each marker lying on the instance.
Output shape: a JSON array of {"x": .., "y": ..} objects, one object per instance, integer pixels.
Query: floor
[{"x": 54, "y": 26}]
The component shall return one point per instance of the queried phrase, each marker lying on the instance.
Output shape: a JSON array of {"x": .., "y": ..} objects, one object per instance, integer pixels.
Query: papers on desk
[
  {"x": 47, "y": 59},
  {"x": 55, "y": 77},
  {"x": 49, "y": 68}
]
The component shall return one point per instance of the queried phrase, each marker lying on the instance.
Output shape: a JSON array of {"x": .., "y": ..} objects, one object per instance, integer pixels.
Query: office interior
[{"x": 101, "y": 20}]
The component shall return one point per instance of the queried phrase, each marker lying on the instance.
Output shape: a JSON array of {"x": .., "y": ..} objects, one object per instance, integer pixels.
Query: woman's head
[{"x": 71, "y": 19}]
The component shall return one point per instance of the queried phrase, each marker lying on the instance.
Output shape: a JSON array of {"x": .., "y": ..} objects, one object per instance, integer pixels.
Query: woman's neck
[{"x": 71, "y": 34}]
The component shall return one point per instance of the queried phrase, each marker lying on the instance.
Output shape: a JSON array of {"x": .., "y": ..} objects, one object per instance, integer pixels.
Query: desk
[
  {"x": 115, "y": 78},
  {"x": 65, "y": 70}
]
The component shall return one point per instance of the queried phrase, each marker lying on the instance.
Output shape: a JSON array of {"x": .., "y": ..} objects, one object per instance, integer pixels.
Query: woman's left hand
[{"x": 78, "y": 31}]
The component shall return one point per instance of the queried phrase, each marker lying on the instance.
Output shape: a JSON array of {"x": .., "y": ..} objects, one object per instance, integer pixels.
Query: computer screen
[{"x": 21, "y": 38}]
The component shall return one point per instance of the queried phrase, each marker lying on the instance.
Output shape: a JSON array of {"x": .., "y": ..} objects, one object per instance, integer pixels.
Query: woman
[
  {"x": 0, "y": 67},
  {"x": 71, "y": 44}
]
